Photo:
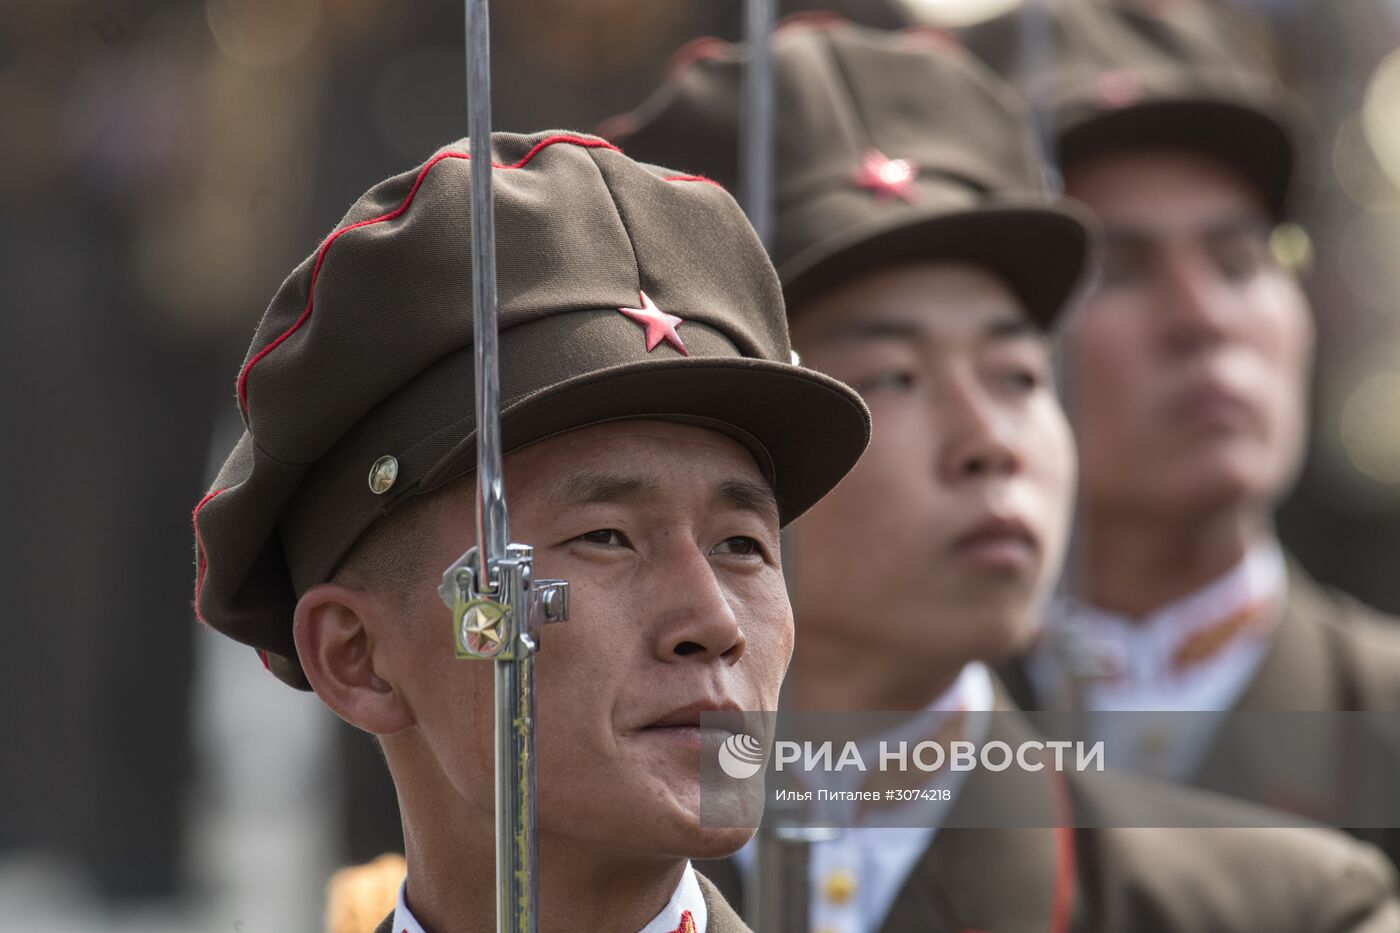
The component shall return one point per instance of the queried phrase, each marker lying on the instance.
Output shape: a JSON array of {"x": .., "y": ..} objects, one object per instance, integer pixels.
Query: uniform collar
[
  {"x": 957, "y": 713},
  {"x": 404, "y": 921},
  {"x": 871, "y": 863},
  {"x": 972, "y": 691},
  {"x": 1199, "y": 653},
  {"x": 688, "y": 903},
  {"x": 687, "y": 906},
  {"x": 961, "y": 713},
  {"x": 1192, "y": 639}
]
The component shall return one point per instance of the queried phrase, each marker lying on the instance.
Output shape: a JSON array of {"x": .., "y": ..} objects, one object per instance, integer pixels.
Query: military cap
[
  {"x": 1115, "y": 75},
  {"x": 889, "y": 147},
  {"x": 625, "y": 291}
]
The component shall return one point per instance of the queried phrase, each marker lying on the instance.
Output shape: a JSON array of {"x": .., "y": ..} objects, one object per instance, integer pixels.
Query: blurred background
[{"x": 164, "y": 164}]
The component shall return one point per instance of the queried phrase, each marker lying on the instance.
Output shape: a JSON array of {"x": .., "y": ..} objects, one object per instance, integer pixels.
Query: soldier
[
  {"x": 1188, "y": 369},
  {"x": 656, "y": 437},
  {"x": 924, "y": 263}
]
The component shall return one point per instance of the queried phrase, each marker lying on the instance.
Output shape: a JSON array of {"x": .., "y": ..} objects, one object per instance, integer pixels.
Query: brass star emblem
[{"x": 482, "y": 626}]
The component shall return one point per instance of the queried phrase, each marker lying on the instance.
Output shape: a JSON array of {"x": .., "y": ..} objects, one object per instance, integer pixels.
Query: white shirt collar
[
  {"x": 1085, "y": 649},
  {"x": 878, "y": 860},
  {"x": 404, "y": 921},
  {"x": 688, "y": 898},
  {"x": 971, "y": 692},
  {"x": 1103, "y": 663},
  {"x": 971, "y": 697}
]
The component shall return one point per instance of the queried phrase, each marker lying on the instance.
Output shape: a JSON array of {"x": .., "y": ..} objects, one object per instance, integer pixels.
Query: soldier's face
[
  {"x": 939, "y": 545},
  {"x": 668, "y": 536},
  {"x": 1188, "y": 365}
]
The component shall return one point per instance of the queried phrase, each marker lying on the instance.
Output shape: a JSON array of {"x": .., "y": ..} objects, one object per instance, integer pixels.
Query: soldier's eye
[
  {"x": 1123, "y": 265},
  {"x": 894, "y": 380},
  {"x": 1022, "y": 379},
  {"x": 1240, "y": 262},
  {"x": 740, "y": 546},
  {"x": 609, "y": 537}
]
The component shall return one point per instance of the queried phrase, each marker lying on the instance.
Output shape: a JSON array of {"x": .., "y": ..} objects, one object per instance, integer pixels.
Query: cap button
[{"x": 383, "y": 474}]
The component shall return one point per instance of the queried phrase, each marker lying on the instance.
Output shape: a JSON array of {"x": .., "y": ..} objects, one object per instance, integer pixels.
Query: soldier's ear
[{"x": 337, "y": 652}]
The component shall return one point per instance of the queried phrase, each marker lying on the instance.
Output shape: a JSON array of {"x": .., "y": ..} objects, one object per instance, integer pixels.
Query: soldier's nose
[
  {"x": 696, "y": 619},
  {"x": 716, "y": 637}
]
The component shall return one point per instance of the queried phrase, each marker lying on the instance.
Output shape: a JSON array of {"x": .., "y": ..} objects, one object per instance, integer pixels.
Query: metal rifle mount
[{"x": 497, "y": 606}]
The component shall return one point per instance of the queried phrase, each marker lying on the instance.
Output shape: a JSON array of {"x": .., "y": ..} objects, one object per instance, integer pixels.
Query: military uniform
[
  {"x": 1326, "y": 652},
  {"x": 1122, "y": 76},
  {"x": 356, "y": 392},
  {"x": 1128, "y": 876},
  {"x": 901, "y": 147}
]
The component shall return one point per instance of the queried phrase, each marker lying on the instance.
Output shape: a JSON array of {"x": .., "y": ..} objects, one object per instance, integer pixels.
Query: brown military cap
[
  {"x": 626, "y": 291},
  {"x": 1122, "y": 75},
  {"x": 889, "y": 147}
]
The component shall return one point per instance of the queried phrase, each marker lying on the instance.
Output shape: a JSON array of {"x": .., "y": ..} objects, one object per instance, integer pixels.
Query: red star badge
[
  {"x": 1117, "y": 89},
  {"x": 660, "y": 325},
  {"x": 885, "y": 177}
]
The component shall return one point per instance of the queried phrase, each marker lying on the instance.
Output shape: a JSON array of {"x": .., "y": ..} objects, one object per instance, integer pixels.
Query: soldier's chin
[
  {"x": 682, "y": 830},
  {"x": 718, "y": 841}
]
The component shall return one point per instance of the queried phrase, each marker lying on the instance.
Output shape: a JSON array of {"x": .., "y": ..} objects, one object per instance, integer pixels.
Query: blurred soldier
[
  {"x": 1188, "y": 369},
  {"x": 923, "y": 262},
  {"x": 656, "y": 435}
]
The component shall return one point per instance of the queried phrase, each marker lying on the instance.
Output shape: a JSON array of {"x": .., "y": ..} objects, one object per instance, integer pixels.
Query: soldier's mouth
[
  {"x": 1001, "y": 542},
  {"x": 689, "y": 737},
  {"x": 683, "y": 724}
]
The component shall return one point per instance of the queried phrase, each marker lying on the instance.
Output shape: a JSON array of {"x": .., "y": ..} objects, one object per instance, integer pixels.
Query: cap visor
[
  {"x": 1039, "y": 250},
  {"x": 804, "y": 429},
  {"x": 1255, "y": 138}
]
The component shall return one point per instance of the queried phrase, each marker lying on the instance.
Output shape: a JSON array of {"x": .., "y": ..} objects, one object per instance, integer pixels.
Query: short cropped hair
[{"x": 392, "y": 554}]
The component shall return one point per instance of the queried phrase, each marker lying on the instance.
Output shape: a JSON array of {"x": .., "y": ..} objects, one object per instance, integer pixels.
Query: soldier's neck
[
  {"x": 844, "y": 674},
  {"x": 452, "y": 884},
  {"x": 1133, "y": 564}
]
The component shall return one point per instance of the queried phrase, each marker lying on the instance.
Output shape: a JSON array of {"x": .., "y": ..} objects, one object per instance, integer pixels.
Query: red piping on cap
[
  {"x": 698, "y": 50},
  {"x": 199, "y": 545},
  {"x": 417, "y": 182},
  {"x": 812, "y": 19},
  {"x": 707, "y": 48},
  {"x": 708, "y": 181},
  {"x": 931, "y": 36}
]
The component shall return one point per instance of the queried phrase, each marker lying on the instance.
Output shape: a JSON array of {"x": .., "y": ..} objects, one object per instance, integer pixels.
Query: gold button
[
  {"x": 383, "y": 474},
  {"x": 840, "y": 886}
]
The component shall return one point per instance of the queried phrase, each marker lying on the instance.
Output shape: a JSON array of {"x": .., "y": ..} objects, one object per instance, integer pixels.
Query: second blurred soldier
[
  {"x": 923, "y": 263},
  {"x": 1188, "y": 369}
]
